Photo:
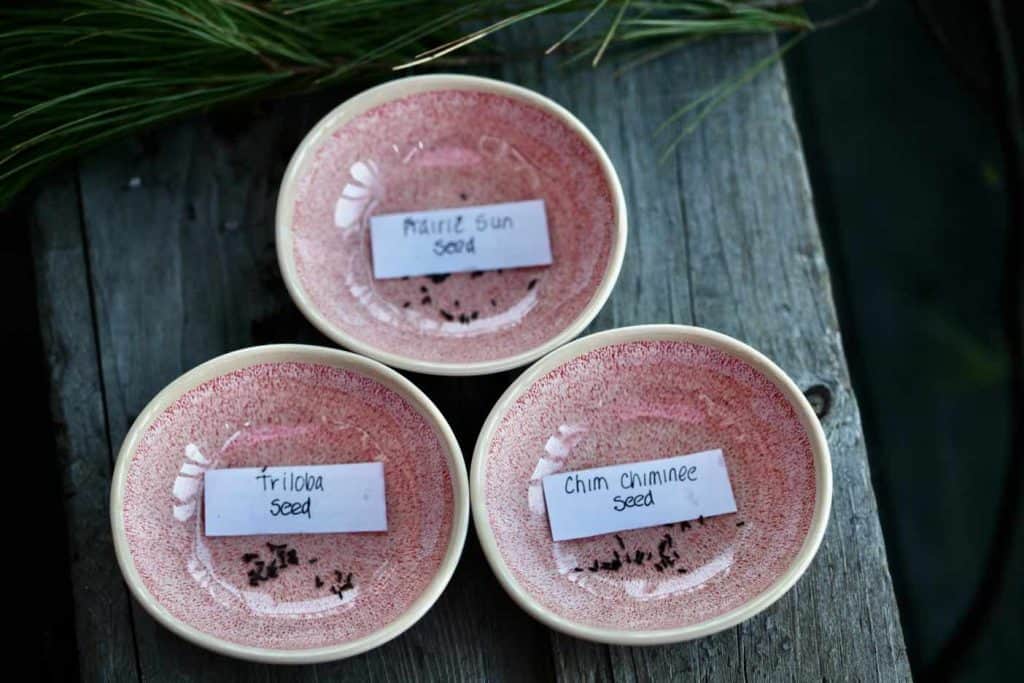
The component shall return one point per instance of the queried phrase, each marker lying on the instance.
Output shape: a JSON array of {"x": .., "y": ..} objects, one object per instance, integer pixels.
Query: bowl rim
[
  {"x": 661, "y": 332},
  {"x": 292, "y": 353},
  {"x": 411, "y": 85}
]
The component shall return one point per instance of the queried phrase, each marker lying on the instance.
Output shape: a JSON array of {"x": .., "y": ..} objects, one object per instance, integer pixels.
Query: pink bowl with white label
[
  {"x": 449, "y": 142},
  {"x": 327, "y": 595},
  {"x": 633, "y": 395}
]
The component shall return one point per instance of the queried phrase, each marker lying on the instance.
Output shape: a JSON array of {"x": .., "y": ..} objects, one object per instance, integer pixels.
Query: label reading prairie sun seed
[{"x": 468, "y": 238}]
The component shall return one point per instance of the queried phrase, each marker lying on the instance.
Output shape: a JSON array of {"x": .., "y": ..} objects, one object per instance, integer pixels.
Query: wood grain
[{"x": 179, "y": 265}]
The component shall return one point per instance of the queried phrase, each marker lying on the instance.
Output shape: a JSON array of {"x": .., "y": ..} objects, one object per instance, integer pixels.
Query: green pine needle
[{"x": 78, "y": 73}]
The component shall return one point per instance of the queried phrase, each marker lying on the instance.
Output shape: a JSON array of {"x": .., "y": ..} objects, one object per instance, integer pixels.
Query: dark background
[{"x": 904, "y": 125}]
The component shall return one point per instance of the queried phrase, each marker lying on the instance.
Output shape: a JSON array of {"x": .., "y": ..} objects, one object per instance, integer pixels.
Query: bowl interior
[
  {"x": 286, "y": 413},
  {"x": 408, "y": 148},
  {"x": 637, "y": 401}
]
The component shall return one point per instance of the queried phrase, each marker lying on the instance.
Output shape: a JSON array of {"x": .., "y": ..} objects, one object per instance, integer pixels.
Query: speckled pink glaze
[
  {"x": 287, "y": 414},
  {"x": 640, "y": 401},
  {"x": 442, "y": 149}
]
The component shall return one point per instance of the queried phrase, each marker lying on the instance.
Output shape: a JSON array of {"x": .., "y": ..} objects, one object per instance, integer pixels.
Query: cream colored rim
[
  {"x": 822, "y": 468},
  {"x": 281, "y": 353},
  {"x": 409, "y": 86}
]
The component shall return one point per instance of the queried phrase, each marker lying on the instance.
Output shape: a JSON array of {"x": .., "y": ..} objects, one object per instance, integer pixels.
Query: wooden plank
[
  {"x": 724, "y": 236},
  {"x": 103, "y": 623},
  {"x": 193, "y": 206}
]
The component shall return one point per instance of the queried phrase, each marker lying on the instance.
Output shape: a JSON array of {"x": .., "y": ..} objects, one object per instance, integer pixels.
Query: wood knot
[{"x": 820, "y": 398}]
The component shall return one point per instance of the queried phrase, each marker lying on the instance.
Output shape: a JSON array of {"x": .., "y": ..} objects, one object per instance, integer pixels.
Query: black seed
[
  {"x": 683, "y": 526},
  {"x": 456, "y": 303},
  {"x": 474, "y": 315},
  {"x": 675, "y": 554},
  {"x": 426, "y": 300},
  {"x": 254, "y": 581},
  {"x": 740, "y": 523},
  {"x": 249, "y": 557},
  {"x": 272, "y": 571},
  {"x": 319, "y": 582},
  {"x": 463, "y": 196},
  {"x": 619, "y": 539},
  {"x": 406, "y": 304},
  {"x": 293, "y": 557},
  {"x": 312, "y": 560},
  {"x": 701, "y": 520},
  {"x": 476, "y": 273},
  {"x": 463, "y": 318},
  {"x": 681, "y": 570},
  {"x": 446, "y": 315},
  {"x": 337, "y": 576},
  {"x": 438, "y": 279},
  {"x": 423, "y": 289},
  {"x": 493, "y": 302},
  {"x": 659, "y": 567},
  {"x": 577, "y": 569},
  {"x": 531, "y": 284}
]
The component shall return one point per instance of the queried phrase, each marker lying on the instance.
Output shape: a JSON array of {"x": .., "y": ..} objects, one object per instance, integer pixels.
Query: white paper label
[
  {"x": 637, "y": 495},
  {"x": 317, "y": 499},
  {"x": 468, "y": 238}
]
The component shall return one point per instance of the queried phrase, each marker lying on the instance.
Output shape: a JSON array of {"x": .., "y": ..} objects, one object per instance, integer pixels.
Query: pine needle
[{"x": 78, "y": 73}]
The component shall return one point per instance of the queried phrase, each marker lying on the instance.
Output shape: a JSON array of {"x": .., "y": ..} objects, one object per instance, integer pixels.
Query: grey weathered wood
[
  {"x": 103, "y": 623},
  {"x": 182, "y": 268}
]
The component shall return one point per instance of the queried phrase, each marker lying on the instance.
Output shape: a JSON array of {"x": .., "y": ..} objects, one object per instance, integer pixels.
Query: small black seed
[
  {"x": 438, "y": 279},
  {"x": 701, "y": 520},
  {"x": 423, "y": 289},
  {"x": 463, "y": 196},
  {"x": 474, "y": 315},
  {"x": 476, "y": 273},
  {"x": 406, "y": 304},
  {"x": 681, "y": 570},
  {"x": 249, "y": 557},
  {"x": 446, "y": 315},
  {"x": 577, "y": 569},
  {"x": 619, "y": 539},
  {"x": 426, "y": 300},
  {"x": 313, "y": 560},
  {"x": 456, "y": 303},
  {"x": 319, "y": 582},
  {"x": 531, "y": 284},
  {"x": 740, "y": 523},
  {"x": 493, "y": 302}
]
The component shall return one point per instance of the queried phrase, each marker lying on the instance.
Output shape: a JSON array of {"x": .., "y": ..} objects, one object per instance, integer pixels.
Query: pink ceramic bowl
[
  {"x": 288, "y": 405},
  {"x": 444, "y": 141},
  {"x": 636, "y": 394}
]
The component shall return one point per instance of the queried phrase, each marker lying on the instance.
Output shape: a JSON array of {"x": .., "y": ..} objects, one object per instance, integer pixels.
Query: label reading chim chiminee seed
[
  {"x": 464, "y": 239},
  {"x": 637, "y": 495},
  {"x": 317, "y": 499}
]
